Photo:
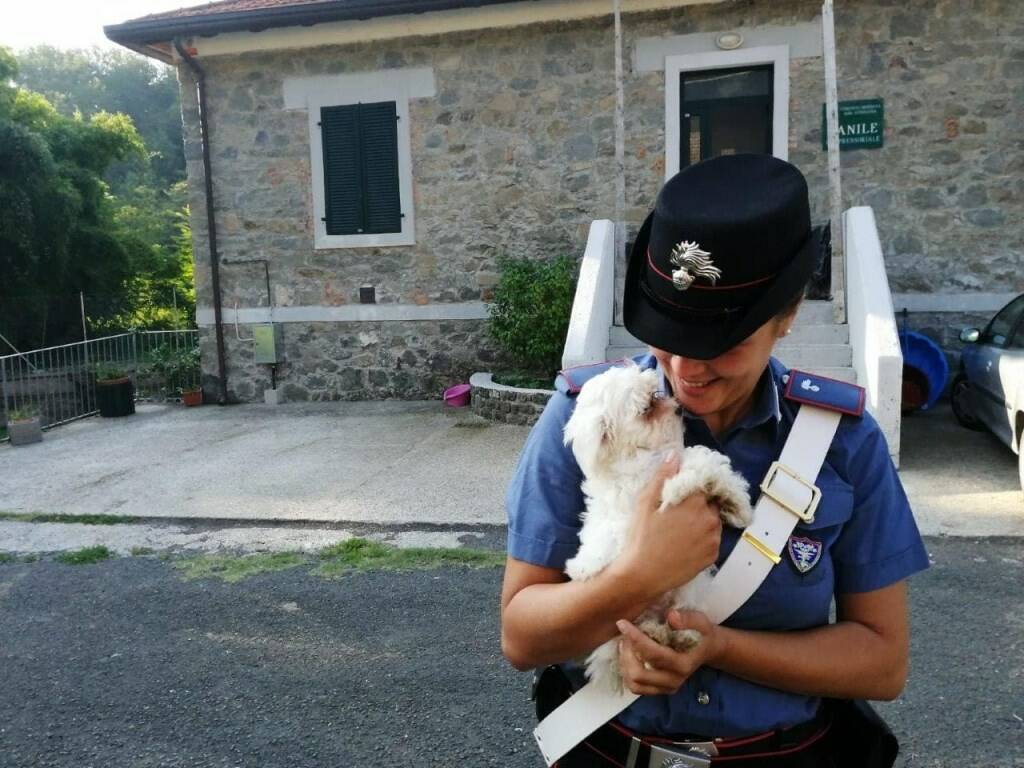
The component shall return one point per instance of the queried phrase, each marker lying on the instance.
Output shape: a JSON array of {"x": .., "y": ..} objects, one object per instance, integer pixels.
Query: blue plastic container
[{"x": 928, "y": 367}]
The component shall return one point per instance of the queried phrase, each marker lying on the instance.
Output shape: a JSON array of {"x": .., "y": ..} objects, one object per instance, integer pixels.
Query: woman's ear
[{"x": 784, "y": 323}]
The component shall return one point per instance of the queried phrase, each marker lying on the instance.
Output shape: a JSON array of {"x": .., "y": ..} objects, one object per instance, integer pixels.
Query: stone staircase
[{"x": 817, "y": 344}]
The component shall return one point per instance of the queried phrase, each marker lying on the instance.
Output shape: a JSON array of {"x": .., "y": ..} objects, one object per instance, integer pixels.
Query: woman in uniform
[{"x": 756, "y": 684}]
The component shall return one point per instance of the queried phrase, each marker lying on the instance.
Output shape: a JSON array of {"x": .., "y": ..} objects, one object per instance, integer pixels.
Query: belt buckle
[
  {"x": 807, "y": 513},
  {"x": 697, "y": 755}
]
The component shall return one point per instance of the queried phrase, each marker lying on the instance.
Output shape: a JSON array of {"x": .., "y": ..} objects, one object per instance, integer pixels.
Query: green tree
[
  {"x": 59, "y": 227},
  {"x": 116, "y": 81}
]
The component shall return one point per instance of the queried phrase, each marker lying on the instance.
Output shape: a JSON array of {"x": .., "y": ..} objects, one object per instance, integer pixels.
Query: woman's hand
[
  {"x": 649, "y": 668},
  {"x": 668, "y": 548}
]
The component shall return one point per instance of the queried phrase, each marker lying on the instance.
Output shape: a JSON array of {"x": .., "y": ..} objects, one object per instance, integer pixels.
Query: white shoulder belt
[{"x": 788, "y": 496}]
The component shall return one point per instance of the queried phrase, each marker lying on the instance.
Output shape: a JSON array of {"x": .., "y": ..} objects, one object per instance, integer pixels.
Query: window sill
[{"x": 364, "y": 241}]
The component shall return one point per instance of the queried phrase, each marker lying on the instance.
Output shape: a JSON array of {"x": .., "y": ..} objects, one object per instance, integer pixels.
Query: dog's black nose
[{"x": 679, "y": 410}]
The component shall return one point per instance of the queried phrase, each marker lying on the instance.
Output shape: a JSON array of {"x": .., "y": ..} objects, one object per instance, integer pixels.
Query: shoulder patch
[
  {"x": 571, "y": 380},
  {"x": 824, "y": 392}
]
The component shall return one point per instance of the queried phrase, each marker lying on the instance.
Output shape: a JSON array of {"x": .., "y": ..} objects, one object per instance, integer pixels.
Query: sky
[{"x": 71, "y": 23}]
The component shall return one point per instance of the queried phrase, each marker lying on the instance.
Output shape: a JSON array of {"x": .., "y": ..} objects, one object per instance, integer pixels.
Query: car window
[
  {"x": 1017, "y": 342},
  {"x": 1003, "y": 323}
]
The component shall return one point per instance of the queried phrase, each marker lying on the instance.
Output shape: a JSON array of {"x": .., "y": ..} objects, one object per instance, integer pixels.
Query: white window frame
[
  {"x": 776, "y": 55},
  {"x": 397, "y": 85}
]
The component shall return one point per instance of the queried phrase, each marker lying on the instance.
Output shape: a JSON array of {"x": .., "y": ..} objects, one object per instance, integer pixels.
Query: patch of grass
[
  {"x": 41, "y": 517},
  {"x": 361, "y": 554},
  {"x": 141, "y": 551},
  {"x": 85, "y": 555},
  {"x": 7, "y": 558},
  {"x": 234, "y": 568}
]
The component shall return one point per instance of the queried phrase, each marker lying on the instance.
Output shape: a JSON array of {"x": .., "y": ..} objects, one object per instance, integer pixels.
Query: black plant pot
[{"x": 115, "y": 397}]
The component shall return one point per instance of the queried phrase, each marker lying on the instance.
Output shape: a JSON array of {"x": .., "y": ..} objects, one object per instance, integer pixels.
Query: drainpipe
[
  {"x": 619, "y": 262},
  {"x": 204, "y": 132}
]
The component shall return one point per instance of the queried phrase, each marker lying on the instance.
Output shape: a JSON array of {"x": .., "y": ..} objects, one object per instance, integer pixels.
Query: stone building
[{"x": 487, "y": 127}]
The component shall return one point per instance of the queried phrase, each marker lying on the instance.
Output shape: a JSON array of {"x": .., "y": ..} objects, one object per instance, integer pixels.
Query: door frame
[{"x": 776, "y": 55}]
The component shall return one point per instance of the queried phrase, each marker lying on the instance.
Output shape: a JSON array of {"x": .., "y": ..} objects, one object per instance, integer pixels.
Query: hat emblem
[{"x": 691, "y": 263}]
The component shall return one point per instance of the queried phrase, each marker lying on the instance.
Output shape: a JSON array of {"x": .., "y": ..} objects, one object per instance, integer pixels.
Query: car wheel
[{"x": 959, "y": 398}]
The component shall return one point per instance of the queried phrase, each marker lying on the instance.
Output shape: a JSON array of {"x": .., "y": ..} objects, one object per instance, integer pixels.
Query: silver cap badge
[{"x": 692, "y": 263}]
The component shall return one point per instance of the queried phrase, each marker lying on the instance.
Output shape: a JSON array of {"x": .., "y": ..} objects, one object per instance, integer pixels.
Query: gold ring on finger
[{"x": 648, "y": 666}]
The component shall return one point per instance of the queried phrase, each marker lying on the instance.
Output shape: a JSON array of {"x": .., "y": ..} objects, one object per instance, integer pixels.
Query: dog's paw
[
  {"x": 735, "y": 510},
  {"x": 728, "y": 491},
  {"x": 678, "y": 487},
  {"x": 658, "y": 631},
  {"x": 684, "y": 639}
]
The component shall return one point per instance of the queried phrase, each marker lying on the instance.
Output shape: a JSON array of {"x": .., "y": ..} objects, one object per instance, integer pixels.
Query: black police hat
[{"x": 726, "y": 248}]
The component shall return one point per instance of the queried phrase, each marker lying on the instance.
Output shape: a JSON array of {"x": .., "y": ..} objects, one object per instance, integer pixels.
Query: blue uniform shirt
[{"x": 863, "y": 527}]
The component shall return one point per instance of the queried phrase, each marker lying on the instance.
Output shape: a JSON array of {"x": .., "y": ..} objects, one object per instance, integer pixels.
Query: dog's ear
[{"x": 590, "y": 434}]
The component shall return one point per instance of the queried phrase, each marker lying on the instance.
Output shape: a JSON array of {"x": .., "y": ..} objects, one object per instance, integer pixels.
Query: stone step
[
  {"x": 802, "y": 334},
  {"x": 810, "y": 356},
  {"x": 843, "y": 374},
  {"x": 802, "y": 356},
  {"x": 815, "y": 313}
]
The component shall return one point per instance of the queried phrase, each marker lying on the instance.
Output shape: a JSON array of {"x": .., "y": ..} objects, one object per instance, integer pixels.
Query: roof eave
[{"x": 142, "y": 33}]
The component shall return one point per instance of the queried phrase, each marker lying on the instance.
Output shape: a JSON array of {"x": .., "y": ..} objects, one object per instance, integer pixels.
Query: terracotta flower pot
[{"x": 192, "y": 397}]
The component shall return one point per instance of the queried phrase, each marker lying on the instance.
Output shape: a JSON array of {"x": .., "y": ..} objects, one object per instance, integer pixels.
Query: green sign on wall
[{"x": 861, "y": 124}]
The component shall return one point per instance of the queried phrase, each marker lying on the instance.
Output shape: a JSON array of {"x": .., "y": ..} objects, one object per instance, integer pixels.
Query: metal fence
[{"x": 59, "y": 383}]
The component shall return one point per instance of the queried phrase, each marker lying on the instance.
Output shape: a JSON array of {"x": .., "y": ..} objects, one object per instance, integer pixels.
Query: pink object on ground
[{"x": 457, "y": 396}]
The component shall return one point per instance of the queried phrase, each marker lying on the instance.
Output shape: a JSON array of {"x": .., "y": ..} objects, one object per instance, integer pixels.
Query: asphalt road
[{"x": 124, "y": 664}]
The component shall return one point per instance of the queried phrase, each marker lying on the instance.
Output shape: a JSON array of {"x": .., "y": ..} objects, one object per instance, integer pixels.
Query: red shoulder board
[{"x": 824, "y": 392}]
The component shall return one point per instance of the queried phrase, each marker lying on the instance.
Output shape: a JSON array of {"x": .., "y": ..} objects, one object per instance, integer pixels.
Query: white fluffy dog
[{"x": 620, "y": 431}]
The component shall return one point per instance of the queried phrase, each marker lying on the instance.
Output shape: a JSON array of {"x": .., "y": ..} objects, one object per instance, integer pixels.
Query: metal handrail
[{"x": 60, "y": 381}]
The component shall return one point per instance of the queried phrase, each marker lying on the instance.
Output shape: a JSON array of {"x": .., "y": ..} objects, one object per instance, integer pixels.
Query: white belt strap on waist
[{"x": 788, "y": 495}]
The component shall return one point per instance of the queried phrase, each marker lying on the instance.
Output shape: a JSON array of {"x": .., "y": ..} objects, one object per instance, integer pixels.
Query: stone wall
[
  {"x": 515, "y": 155},
  {"x": 354, "y": 361},
  {"x": 510, "y": 405},
  {"x": 948, "y": 187}
]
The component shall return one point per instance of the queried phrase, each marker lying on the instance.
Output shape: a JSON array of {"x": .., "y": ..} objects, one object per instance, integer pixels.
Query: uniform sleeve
[
  {"x": 544, "y": 499},
  {"x": 880, "y": 545}
]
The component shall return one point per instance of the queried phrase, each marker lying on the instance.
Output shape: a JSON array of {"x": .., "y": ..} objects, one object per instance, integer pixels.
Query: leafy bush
[
  {"x": 529, "y": 316},
  {"x": 22, "y": 413},
  {"x": 171, "y": 369},
  {"x": 110, "y": 371}
]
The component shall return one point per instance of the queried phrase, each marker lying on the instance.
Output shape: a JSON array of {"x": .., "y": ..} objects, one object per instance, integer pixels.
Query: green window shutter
[
  {"x": 360, "y": 144},
  {"x": 378, "y": 128},
  {"x": 343, "y": 193}
]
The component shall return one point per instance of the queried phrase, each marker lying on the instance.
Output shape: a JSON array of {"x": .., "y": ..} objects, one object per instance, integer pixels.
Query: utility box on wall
[{"x": 268, "y": 347}]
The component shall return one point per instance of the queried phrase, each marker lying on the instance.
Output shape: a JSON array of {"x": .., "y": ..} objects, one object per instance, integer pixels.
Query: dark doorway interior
[{"x": 725, "y": 112}]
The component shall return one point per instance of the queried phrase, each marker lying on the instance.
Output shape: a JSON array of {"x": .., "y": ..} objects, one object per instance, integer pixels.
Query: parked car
[{"x": 988, "y": 392}]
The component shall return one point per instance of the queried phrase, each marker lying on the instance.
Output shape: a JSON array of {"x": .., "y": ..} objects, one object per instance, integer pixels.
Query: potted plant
[
  {"x": 192, "y": 397},
  {"x": 24, "y": 425},
  {"x": 115, "y": 394},
  {"x": 184, "y": 369}
]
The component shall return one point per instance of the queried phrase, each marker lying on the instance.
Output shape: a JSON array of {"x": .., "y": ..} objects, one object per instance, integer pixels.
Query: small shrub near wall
[{"x": 529, "y": 318}]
